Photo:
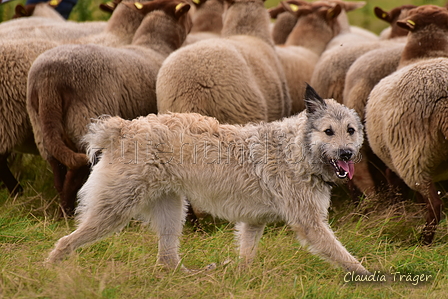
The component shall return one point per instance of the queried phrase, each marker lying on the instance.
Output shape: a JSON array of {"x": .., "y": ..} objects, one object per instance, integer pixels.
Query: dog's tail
[{"x": 103, "y": 133}]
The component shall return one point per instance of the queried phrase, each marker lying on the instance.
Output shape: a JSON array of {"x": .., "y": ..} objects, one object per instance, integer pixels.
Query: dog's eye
[
  {"x": 329, "y": 132},
  {"x": 351, "y": 131}
]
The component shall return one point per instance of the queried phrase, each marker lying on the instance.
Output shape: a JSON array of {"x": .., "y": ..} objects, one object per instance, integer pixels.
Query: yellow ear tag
[
  {"x": 179, "y": 6},
  {"x": 411, "y": 22},
  {"x": 384, "y": 15},
  {"x": 110, "y": 4},
  {"x": 54, "y": 2},
  {"x": 330, "y": 13},
  {"x": 294, "y": 7},
  {"x": 138, "y": 5},
  {"x": 197, "y": 2}
]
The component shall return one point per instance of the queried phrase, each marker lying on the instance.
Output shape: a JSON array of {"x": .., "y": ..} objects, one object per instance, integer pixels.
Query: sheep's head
[
  {"x": 173, "y": 8},
  {"x": 393, "y": 16},
  {"x": 109, "y": 6},
  {"x": 423, "y": 16}
]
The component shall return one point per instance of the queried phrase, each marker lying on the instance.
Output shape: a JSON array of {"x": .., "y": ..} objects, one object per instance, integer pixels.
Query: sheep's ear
[
  {"x": 313, "y": 101},
  {"x": 351, "y": 5},
  {"x": 181, "y": 9},
  {"x": 275, "y": 11},
  {"x": 20, "y": 11},
  {"x": 382, "y": 15},
  {"x": 407, "y": 24},
  {"x": 297, "y": 8},
  {"x": 334, "y": 12},
  {"x": 198, "y": 2},
  {"x": 109, "y": 6}
]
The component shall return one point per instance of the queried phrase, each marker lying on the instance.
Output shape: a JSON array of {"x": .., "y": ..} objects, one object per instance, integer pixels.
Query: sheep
[
  {"x": 70, "y": 84},
  {"x": 316, "y": 26},
  {"x": 392, "y": 17},
  {"x": 237, "y": 78},
  {"x": 15, "y": 127},
  {"x": 284, "y": 21},
  {"x": 328, "y": 78},
  {"x": 43, "y": 10},
  {"x": 361, "y": 78},
  {"x": 207, "y": 20},
  {"x": 347, "y": 34},
  {"x": 407, "y": 111},
  {"x": 43, "y": 14},
  {"x": 359, "y": 83}
]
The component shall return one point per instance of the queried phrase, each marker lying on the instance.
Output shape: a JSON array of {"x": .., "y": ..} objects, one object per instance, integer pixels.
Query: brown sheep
[
  {"x": 70, "y": 84},
  {"x": 16, "y": 60},
  {"x": 237, "y": 78},
  {"x": 317, "y": 24},
  {"x": 407, "y": 112}
]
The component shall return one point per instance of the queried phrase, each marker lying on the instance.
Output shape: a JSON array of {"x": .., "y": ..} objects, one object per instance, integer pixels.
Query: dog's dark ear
[{"x": 313, "y": 101}]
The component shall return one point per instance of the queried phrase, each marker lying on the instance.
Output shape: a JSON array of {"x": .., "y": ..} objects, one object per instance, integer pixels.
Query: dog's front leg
[
  {"x": 248, "y": 236},
  {"x": 322, "y": 241}
]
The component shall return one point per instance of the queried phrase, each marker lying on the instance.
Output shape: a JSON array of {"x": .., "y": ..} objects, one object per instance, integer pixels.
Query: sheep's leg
[
  {"x": 167, "y": 217},
  {"x": 434, "y": 208},
  {"x": 74, "y": 180},
  {"x": 396, "y": 184},
  {"x": 59, "y": 172},
  {"x": 248, "y": 236},
  {"x": 322, "y": 241},
  {"x": 363, "y": 179},
  {"x": 7, "y": 177}
]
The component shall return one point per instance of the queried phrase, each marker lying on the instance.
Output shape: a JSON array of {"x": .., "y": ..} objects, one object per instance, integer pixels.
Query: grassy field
[{"x": 382, "y": 233}]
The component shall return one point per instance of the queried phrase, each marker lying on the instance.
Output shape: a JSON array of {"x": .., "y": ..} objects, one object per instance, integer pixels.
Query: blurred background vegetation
[{"x": 88, "y": 10}]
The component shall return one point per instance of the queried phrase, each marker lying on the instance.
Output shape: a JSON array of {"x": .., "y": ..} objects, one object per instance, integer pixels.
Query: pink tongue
[{"x": 348, "y": 167}]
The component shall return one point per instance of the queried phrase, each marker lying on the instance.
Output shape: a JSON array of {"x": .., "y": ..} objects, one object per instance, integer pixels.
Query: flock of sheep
[{"x": 237, "y": 67}]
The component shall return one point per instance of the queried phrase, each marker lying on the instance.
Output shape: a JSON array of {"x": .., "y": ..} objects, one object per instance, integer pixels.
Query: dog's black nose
[{"x": 345, "y": 155}]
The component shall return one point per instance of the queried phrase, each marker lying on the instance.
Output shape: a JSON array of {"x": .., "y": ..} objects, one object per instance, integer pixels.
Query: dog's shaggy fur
[{"x": 251, "y": 175}]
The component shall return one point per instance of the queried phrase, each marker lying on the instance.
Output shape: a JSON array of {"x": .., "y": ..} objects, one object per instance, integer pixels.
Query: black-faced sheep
[
  {"x": 407, "y": 112},
  {"x": 69, "y": 85},
  {"x": 237, "y": 78}
]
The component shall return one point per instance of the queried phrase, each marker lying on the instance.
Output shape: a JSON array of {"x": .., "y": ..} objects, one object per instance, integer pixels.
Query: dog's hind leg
[
  {"x": 101, "y": 222},
  {"x": 167, "y": 217},
  {"x": 322, "y": 241},
  {"x": 248, "y": 236},
  {"x": 105, "y": 207}
]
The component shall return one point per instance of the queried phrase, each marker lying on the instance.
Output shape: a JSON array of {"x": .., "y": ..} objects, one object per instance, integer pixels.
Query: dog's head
[{"x": 334, "y": 135}]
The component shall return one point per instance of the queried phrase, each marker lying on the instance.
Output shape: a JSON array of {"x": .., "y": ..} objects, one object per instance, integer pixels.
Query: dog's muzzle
[{"x": 343, "y": 166}]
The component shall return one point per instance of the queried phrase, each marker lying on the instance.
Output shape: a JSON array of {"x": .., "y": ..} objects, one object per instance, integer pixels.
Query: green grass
[{"x": 383, "y": 235}]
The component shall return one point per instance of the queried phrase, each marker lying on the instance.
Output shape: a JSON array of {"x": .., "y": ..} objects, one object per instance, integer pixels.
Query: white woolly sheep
[
  {"x": 70, "y": 84},
  {"x": 407, "y": 112},
  {"x": 317, "y": 24},
  {"x": 237, "y": 78},
  {"x": 15, "y": 127}
]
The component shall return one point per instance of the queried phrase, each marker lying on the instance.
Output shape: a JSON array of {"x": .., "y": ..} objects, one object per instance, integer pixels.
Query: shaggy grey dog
[{"x": 251, "y": 175}]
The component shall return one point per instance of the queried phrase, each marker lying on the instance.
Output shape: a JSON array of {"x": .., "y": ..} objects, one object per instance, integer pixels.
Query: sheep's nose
[{"x": 345, "y": 155}]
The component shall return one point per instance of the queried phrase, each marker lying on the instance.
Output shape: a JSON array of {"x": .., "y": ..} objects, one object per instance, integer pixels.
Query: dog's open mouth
[{"x": 343, "y": 168}]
